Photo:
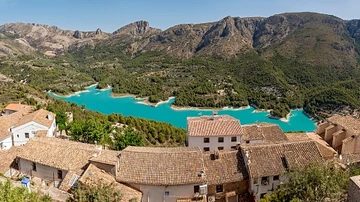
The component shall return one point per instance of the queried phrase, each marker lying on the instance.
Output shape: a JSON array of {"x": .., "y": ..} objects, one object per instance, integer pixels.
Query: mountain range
[
  {"x": 285, "y": 56},
  {"x": 298, "y": 35}
]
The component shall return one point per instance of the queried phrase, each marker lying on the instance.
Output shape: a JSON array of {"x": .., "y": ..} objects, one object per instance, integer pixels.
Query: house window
[
  {"x": 256, "y": 181},
  {"x": 220, "y": 139},
  {"x": 17, "y": 135},
  {"x": 264, "y": 180},
  {"x": 59, "y": 174},
  {"x": 276, "y": 177},
  {"x": 206, "y": 140},
  {"x": 219, "y": 188},
  {"x": 233, "y": 139},
  {"x": 33, "y": 166},
  {"x": 1, "y": 145},
  {"x": 196, "y": 189},
  {"x": 206, "y": 149},
  {"x": 27, "y": 135},
  {"x": 167, "y": 193},
  {"x": 247, "y": 141},
  {"x": 220, "y": 148},
  {"x": 233, "y": 147}
]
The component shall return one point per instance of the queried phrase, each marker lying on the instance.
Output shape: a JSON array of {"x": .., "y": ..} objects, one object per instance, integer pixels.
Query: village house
[
  {"x": 12, "y": 114},
  {"x": 61, "y": 162},
  {"x": 342, "y": 133},
  {"x": 164, "y": 174},
  {"x": 226, "y": 176},
  {"x": 214, "y": 132},
  {"x": 41, "y": 122},
  {"x": 267, "y": 163},
  {"x": 262, "y": 133},
  {"x": 21, "y": 123}
]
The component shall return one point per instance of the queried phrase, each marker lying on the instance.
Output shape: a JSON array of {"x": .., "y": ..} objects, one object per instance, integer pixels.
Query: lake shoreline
[{"x": 108, "y": 103}]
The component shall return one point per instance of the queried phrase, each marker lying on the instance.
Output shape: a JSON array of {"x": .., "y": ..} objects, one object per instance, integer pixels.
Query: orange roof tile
[
  {"x": 161, "y": 166},
  {"x": 223, "y": 125},
  {"x": 40, "y": 116}
]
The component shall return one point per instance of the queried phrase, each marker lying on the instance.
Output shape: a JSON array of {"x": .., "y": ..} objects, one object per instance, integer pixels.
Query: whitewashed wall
[
  {"x": 214, "y": 143},
  {"x": 42, "y": 171},
  {"x": 6, "y": 143},
  {"x": 157, "y": 193},
  {"x": 19, "y": 132},
  {"x": 52, "y": 130}
]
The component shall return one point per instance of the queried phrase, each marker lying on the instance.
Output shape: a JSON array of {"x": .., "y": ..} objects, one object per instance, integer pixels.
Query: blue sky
[{"x": 110, "y": 15}]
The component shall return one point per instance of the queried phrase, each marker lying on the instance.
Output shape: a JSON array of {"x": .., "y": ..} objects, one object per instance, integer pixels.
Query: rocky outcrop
[{"x": 136, "y": 29}]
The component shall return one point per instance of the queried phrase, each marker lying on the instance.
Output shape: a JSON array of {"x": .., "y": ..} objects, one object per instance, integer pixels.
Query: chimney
[
  {"x": 49, "y": 116},
  {"x": 214, "y": 115}
]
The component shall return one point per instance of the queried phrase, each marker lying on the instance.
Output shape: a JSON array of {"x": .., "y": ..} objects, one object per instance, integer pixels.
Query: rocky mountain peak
[
  {"x": 78, "y": 34},
  {"x": 138, "y": 28},
  {"x": 98, "y": 31}
]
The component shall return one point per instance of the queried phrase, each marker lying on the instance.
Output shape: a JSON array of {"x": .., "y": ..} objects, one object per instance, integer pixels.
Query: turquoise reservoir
[{"x": 102, "y": 101}]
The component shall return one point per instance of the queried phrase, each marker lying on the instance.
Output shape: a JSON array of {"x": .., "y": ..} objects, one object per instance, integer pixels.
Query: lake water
[{"x": 102, "y": 101}]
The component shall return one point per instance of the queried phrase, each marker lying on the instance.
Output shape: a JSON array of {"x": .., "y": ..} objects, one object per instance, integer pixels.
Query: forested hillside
[{"x": 291, "y": 60}]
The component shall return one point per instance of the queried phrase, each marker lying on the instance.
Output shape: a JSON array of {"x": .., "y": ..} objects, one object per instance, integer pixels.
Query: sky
[{"x": 110, "y": 15}]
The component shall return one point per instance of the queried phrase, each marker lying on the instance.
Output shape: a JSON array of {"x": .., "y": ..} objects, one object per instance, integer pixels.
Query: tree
[
  {"x": 130, "y": 137},
  {"x": 9, "y": 193},
  {"x": 313, "y": 183},
  {"x": 91, "y": 131},
  {"x": 95, "y": 193},
  {"x": 61, "y": 119}
]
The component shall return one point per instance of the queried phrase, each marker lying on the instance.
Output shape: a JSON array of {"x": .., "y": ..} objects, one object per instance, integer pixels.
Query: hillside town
[{"x": 222, "y": 160}]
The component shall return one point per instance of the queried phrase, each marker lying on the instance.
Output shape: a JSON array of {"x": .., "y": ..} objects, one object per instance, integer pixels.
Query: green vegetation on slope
[
  {"x": 10, "y": 193},
  {"x": 116, "y": 131},
  {"x": 313, "y": 183}
]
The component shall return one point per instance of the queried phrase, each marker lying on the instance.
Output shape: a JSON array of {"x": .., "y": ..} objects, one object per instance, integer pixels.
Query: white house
[
  {"x": 266, "y": 163},
  {"x": 27, "y": 127},
  {"x": 214, "y": 132},
  {"x": 13, "y": 113},
  {"x": 19, "y": 124}
]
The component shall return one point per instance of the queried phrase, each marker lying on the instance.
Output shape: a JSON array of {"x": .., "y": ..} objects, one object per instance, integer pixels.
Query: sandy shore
[
  {"x": 261, "y": 110},
  {"x": 281, "y": 119},
  {"x": 69, "y": 95},
  {"x": 146, "y": 102},
  {"x": 120, "y": 95}
]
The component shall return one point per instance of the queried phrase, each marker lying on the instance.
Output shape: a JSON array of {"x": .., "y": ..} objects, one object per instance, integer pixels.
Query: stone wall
[{"x": 354, "y": 189}]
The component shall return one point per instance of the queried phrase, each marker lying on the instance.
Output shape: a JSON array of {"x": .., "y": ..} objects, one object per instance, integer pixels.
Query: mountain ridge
[{"x": 227, "y": 37}]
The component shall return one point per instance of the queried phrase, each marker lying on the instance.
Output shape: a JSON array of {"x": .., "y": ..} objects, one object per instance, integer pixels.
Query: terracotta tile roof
[
  {"x": 107, "y": 156},
  {"x": 41, "y": 133},
  {"x": 60, "y": 154},
  {"x": 274, "y": 159},
  {"x": 7, "y": 158},
  {"x": 7, "y": 121},
  {"x": 229, "y": 167},
  {"x": 161, "y": 166},
  {"x": 348, "y": 122},
  {"x": 94, "y": 175},
  {"x": 270, "y": 133},
  {"x": 223, "y": 125},
  {"x": 40, "y": 116},
  {"x": 14, "y": 107}
]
